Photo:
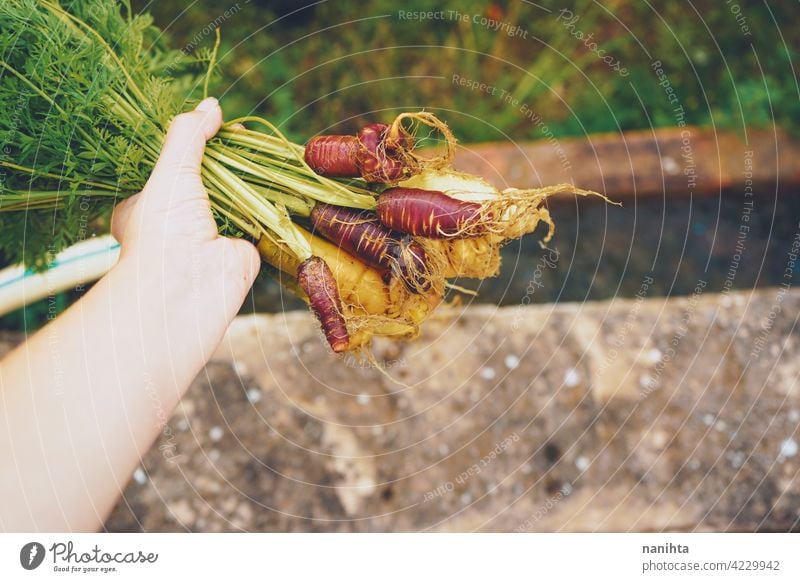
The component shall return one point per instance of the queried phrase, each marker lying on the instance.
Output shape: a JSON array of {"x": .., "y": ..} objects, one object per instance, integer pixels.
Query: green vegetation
[
  {"x": 308, "y": 68},
  {"x": 76, "y": 128}
]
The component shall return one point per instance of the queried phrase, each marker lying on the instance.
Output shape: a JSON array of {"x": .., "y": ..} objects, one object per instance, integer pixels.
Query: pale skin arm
[{"x": 85, "y": 397}]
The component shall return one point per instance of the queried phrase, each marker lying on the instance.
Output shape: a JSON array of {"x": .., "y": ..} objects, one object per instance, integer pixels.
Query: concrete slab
[{"x": 643, "y": 415}]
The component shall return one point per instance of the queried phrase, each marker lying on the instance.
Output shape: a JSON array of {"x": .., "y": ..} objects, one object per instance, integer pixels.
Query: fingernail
[{"x": 207, "y": 104}]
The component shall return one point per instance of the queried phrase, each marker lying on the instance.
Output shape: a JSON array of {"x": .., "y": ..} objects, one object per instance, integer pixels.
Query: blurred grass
[{"x": 331, "y": 65}]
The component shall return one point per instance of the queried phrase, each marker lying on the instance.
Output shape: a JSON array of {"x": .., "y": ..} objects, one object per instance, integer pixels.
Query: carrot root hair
[
  {"x": 477, "y": 258},
  {"x": 407, "y": 126}
]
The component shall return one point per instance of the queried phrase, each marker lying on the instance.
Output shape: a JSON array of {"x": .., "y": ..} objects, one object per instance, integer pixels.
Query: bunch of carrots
[{"x": 384, "y": 269}]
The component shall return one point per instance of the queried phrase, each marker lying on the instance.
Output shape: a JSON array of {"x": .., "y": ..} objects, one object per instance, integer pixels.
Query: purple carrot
[
  {"x": 428, "y": 213},
  {"x": 316, "y": 279},
  {"x": 360, "y": 233},
  {"x": 334, "y": 155}
]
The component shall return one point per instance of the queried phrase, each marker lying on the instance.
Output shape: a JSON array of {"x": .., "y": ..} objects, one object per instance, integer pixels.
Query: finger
[
  {"x": 178, "y": 166},
  {"x": 236, "y": 126},
  {"x": 121, "y": 216},
  {"x": 247, "y": 255},
  {"x": 240, "y": 267}
]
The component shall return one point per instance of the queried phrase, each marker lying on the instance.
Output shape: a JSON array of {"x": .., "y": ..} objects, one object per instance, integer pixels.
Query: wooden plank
[{"x": 689, "y": 160}]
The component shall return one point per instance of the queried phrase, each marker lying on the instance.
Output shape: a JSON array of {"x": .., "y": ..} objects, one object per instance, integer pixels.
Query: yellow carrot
[{"x": 370, "y": 305}]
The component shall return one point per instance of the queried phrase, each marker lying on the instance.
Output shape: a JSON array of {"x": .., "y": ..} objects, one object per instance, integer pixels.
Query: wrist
[{"x": 157, "y": 305}]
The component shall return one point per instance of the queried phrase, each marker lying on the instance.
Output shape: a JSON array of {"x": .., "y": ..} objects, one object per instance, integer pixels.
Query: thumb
[{"x": 177, "y": 170}]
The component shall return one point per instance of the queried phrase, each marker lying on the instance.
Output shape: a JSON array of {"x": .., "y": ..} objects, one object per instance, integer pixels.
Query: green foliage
[
  {"x": 336, "y": 64},
  {"x": 81, "y": 117}
]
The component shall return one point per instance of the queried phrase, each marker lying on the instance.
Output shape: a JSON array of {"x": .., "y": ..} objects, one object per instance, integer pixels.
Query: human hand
[
  {"x": 168, "y": 235},
  {"x": 87, "y": 396}
]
